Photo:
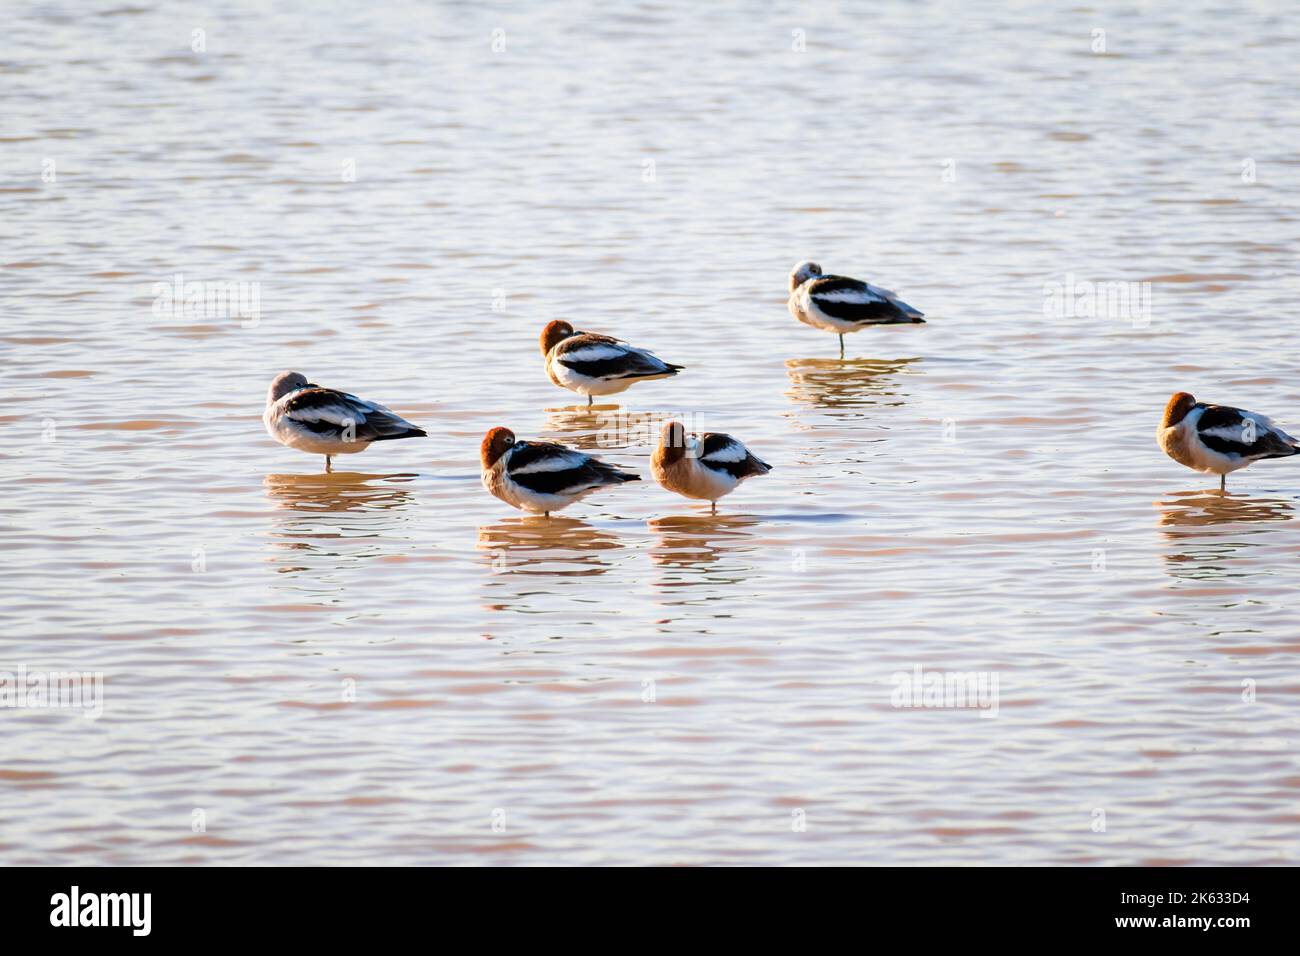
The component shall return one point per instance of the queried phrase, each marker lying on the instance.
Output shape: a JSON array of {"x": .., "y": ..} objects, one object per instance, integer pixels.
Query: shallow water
[{"x": 385, "y": 664}]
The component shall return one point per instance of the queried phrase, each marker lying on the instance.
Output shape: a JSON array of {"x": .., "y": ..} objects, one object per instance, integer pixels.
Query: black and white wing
[
  {"x": 546, "y": 468},
  {"x": 1235, "y": 431},
  {"x": 600, "y": 356},
  {"x": 723, "y": 453},
  {"x": 853, "y": 301},
  {"x": 343, "y": 417}
]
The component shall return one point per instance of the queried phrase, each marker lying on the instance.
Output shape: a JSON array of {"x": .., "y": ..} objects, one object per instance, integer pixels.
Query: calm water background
[{"x": 981, "y": 493}]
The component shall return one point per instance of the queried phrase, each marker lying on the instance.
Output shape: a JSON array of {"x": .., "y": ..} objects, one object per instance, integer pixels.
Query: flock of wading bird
[{"x": 542, "y": 477}]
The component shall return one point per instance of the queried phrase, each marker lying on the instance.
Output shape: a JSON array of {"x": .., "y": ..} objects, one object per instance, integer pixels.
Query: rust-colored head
[
  {"x": 672, "y": 443},
  {"x": 495, "y": 444},
  {"x": 555, "y": 332},
  {"x": 1177, "y": 409}
]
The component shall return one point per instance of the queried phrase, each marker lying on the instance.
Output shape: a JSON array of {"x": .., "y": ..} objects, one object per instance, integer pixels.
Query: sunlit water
[{"x": 388, "y": 665}]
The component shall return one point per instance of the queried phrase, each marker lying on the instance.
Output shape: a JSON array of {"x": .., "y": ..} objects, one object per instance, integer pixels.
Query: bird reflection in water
[
  {"x": 702, "y": 543},
  {"x": 601, "y": 427},
  {"x": 326, "y": 521},
  {"x": 556, "y": 545},
  {"x": 1206, "y": 529},
  {"x": 844, "y": 386}
]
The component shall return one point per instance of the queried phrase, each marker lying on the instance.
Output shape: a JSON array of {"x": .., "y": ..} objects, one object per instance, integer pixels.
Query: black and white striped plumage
[
  {"x": 842, "y": 305},
  {"x": 726, "y": 456},
  {"x": 1219, "y": 439},
  {"x": 592, "y": 364},
  {"x": 542, "y": 477},
  {"x": 706, "y": 466},
  {"x": 328, "y": 422}
]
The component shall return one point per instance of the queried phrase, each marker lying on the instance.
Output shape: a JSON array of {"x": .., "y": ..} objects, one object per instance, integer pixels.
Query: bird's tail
[
  {"x": 909, "y": 313},
  {"x": 412, "y": 432}
]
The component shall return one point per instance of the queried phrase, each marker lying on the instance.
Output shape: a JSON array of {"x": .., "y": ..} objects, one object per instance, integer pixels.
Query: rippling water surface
[{"x": 385, "y": 664}]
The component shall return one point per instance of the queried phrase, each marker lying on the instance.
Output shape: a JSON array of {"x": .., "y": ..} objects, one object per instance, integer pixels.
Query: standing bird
[
  {"x": 704, "y": 466},
  {"x": 1218, "y": 439},
  {"x": 842, "y": 305},
  {"x": 592, "y": 364},
  {"x": 328, "y": 422},
  {"x": 540, "y": 476}
]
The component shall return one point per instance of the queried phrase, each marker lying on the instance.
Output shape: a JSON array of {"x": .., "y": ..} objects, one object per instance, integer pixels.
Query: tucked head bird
[
  {"x": 539, "y": 476},
  {"x": 842, "y": 305},
  {"x": 704, "y": 466},
  {"x": 328, "y": 422},
  {"x": 592, "y": 364},
  {"x": 1219, "y": 439}
]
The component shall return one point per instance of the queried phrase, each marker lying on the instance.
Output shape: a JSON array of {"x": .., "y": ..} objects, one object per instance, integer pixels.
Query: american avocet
[
  {"x": 592, "y": 364},
  {"x": 704, "y": 466},
  {"x": 327, "y": 422},
  {"x": 541, "y": 477},
  {"x": 842, "y": 305},
  {"x": 1219, "y": 439}
]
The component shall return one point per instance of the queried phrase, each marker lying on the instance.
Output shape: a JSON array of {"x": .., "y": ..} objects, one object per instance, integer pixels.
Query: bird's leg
[
  {"x": 715, "y": 508},
  {"x": 841, "y": 345},
  {"x": 327, "y": 464},
  {"x": 1223, "y": 481},
  {"x": 589, "y": 401}
]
